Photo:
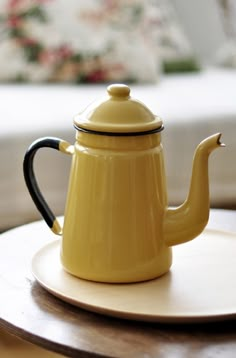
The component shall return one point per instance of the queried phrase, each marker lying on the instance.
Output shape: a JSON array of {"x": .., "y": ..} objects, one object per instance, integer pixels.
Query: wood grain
[
  {"x": 12, "y": 347},
  {"x": 31, "y": 313}
]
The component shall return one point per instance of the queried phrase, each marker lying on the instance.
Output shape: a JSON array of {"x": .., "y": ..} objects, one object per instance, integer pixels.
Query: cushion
[
  {"x": 85, "y": 41},
  {"x": 226, "y": 56},
  {"x": 176, "y": 52},
  {"x": 91, "y": 41},
  {"x": 202, "y": 23}
]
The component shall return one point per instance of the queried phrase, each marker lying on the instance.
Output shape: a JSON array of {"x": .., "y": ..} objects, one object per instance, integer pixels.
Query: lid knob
[{"x": 118, "y": 90}]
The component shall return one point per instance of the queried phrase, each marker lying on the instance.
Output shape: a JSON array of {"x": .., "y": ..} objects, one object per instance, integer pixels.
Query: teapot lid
[{"x": 116, "y": 114}]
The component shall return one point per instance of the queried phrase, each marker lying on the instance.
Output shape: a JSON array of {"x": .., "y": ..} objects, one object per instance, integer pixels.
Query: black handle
[{"x": 31, "y": 182}]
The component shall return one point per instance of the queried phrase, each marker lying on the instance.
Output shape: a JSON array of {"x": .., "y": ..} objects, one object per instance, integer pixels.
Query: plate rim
[{"x": 118, "y": 313}]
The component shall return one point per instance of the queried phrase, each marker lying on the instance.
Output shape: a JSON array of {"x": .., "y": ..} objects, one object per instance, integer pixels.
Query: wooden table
[{"x": 30, "y": 312}]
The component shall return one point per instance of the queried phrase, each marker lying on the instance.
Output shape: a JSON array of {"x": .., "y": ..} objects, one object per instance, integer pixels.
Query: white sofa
[{"x": 192, "y": 106}]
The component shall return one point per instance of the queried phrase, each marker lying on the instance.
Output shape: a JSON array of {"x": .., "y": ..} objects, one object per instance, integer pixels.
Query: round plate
[{"x": 201, "y": 285}]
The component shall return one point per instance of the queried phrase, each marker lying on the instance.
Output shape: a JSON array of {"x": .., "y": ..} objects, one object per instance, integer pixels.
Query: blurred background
[
  {"x": 100, "y": 41},
  {"x": 56, "y": 57}
]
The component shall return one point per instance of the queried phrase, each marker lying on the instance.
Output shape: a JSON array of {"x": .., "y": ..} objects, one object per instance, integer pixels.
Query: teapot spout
[{"x": 187, "y": 221}]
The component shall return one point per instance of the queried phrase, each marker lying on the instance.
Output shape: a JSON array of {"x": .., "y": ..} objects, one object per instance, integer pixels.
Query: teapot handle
[{"x": 31, "y": 182}]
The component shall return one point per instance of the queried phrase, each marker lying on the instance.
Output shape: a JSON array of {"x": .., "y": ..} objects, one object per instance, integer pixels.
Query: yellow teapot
[{"x": 117, "y": 226}]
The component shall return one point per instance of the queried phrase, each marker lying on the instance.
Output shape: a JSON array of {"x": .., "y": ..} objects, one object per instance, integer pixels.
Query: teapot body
[{"x": 116, "y": 203}]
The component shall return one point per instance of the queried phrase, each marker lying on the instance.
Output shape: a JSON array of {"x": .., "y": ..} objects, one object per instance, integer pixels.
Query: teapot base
[
  {"x": 118, "y": 281},
  {"x": 147, "y": 272}
]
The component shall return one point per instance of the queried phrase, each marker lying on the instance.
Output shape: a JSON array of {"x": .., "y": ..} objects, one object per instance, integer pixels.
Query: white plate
[{"x": 200, "y": 287}]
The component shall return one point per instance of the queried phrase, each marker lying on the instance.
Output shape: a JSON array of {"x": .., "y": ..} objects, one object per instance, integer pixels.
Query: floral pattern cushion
[
  {"x": 88, "y": 41},
  {"x": 76, "y": 41}
]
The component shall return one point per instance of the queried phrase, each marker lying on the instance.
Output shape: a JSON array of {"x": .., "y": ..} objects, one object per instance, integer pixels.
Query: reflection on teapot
[{"x": 117, "y": 226}]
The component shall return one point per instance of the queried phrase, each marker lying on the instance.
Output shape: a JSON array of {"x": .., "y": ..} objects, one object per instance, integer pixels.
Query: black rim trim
[{"x": 119, "y": 134}]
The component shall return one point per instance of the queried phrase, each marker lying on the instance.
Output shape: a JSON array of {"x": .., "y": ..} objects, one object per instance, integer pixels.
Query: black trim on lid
[{"x": 119, "y": 134}]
